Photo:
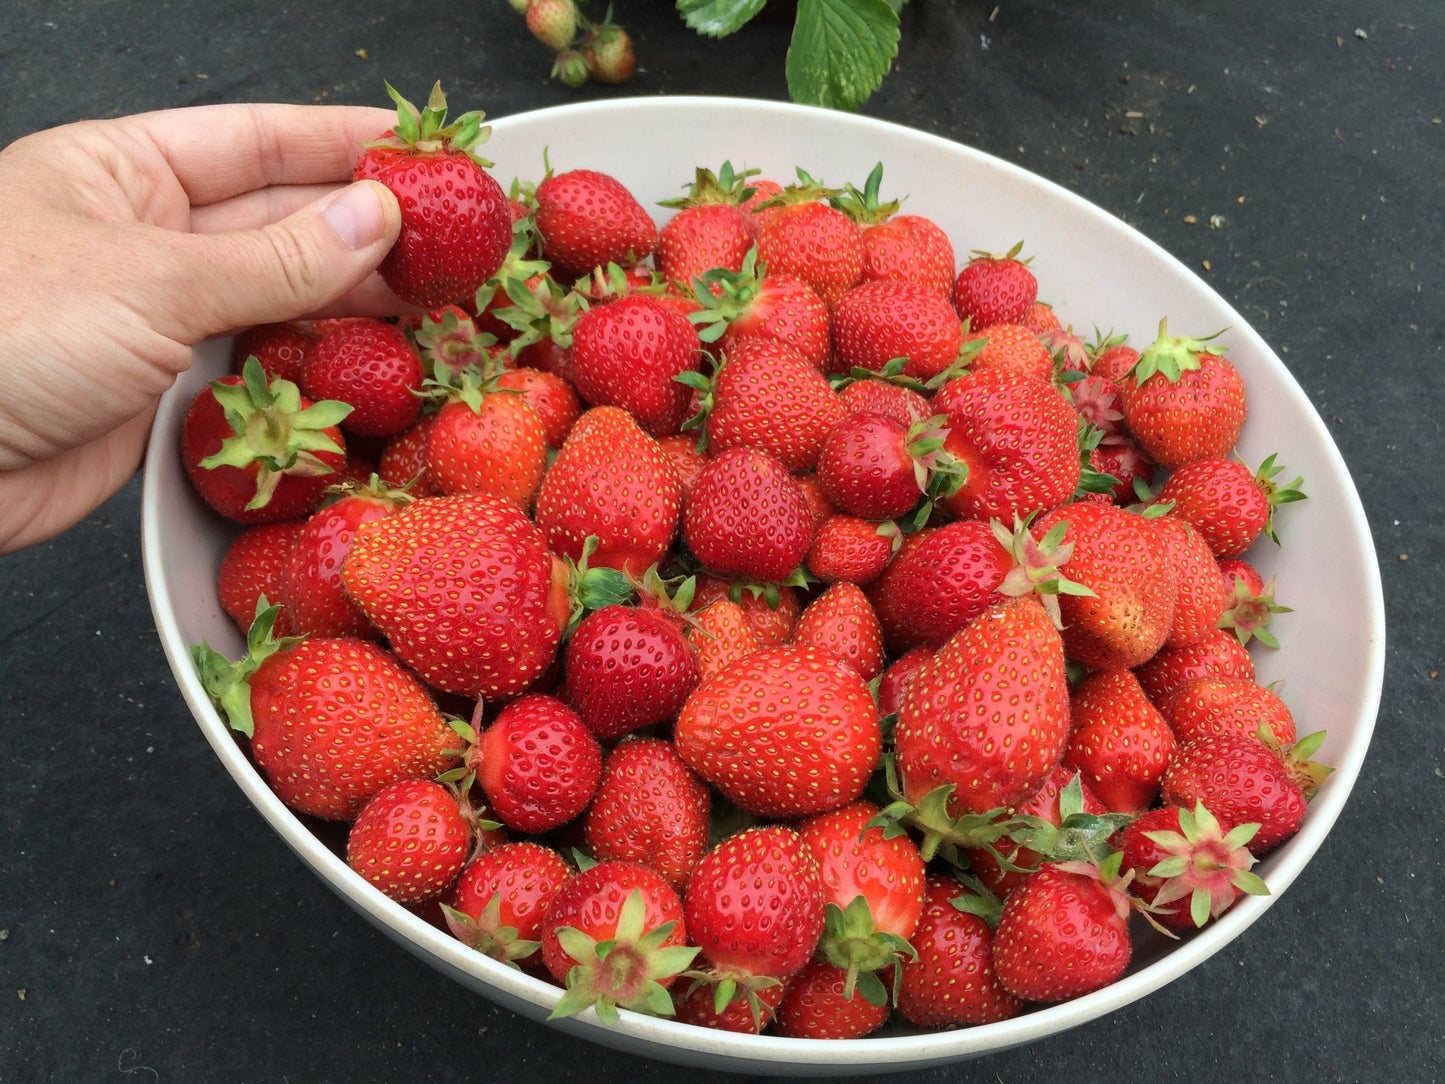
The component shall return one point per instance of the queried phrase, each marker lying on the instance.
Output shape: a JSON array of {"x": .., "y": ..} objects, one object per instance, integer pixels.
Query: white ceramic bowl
[{"x": 1096, "y": 272}]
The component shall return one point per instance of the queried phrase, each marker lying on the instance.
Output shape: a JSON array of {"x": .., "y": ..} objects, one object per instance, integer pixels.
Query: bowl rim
[{"x": 664, "y": 1038}]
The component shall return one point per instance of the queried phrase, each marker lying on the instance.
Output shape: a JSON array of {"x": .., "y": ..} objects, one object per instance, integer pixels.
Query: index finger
[{"x": 220, "y": 151}]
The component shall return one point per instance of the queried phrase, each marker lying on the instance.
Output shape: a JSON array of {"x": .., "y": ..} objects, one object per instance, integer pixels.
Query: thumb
[{"x": 288, "y": 268}]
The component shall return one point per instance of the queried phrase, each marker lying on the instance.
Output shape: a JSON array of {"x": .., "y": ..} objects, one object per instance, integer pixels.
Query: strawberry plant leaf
[
  {"x": 841, "y": 50},
  {"x": 718, "y": 18}
]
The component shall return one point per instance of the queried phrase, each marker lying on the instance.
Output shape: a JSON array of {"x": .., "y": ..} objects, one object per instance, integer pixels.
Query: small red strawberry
[
  {"x": 721, "y": 633},
  {"x": 1120, "y": 742},
  {"x": 502, "y": 898},
  {"x": 773, "y": 614},
  {"x": 615, "y": 937},
  {"x": 874, "y": 466},
  {"x": 807, "y": 720},
  {"x": 588, "y": 219},
  {"x": 817, "y": 1005},
  {"x": 410, "y": 840},
  {"x": 1230, "y": 505},
  {"x": 763, "y": 302},
  {"x": 842, "y": 620},
  {"x": 741, "y": 1015},
  {"x": 804, "y": 235},
  {"x": 629, "y": 353},
  {"x": 629, "y": 667},
  {"x": 331, "y": 721},
  {"x": 747, "y": 517},
  {"x": 951, "y": 981},
  {"x": 280, "y": 348},
  {"x": 1064, "y": 932},
  {"x": 651, "y": 808},
  {"x": 551, "y": 397},
  {"x": 709, "y": 230},
  {"x": 537, "y": 763},
  {"x": 1186, "y": 866},
  {"x": 610, "y": 481},
  {"x": 403, "y": 460},
  {"x": 466, "y": 591},
  {"x": 1219, "y": 652},
  {"x": 1183, "y": 400},
  {"x": 252, "y": 569},
  {"x": 483, "y": 440},
  {"x": 894, "y": 682},
  {"x": 1202, "y": 595},
  {"x": 850, "y": 549},
  {"x": 877, "y": 321},
  {"x": 1015, "y": 347},
  {"x": 884, "y": 396},
  {"x": 995, "y": 289},
  {"x": 456, "y": 225},
  {"x": 372, "y": 366},
  {"x": 258, "y": 451}
]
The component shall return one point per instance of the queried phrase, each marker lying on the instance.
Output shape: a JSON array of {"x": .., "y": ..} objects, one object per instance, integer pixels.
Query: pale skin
[{"x": 125, "y": 242}]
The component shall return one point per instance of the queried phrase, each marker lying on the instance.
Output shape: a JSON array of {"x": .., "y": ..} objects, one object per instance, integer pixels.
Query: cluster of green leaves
[{"x": 840, "y": 52}]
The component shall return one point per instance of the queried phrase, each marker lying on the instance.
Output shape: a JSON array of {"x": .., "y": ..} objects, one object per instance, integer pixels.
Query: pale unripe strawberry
[{"x": 552, "y": 22}]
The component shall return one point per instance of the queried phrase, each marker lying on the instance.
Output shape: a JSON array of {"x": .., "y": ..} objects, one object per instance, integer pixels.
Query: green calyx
[
  {"x": 426, "y": 130},
  {"x": 228, "y": 683},
  {"x": 1205, "y": 864},
  {"x": 852, "y": 943},
  {"x": 1276, "y": 493},
  {"x": 1038, "y": 565},
  {"x": 593, "y": 588},
  {"x": 1172, "y": 355},
  {"x": 864, "y": 207},
  {"x": 726, "y": 186},
  {"x": 487, "y": 935},
  {"x": 271, "y": 429}
]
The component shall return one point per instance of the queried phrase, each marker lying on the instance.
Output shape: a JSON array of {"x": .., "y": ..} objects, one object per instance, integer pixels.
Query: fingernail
[{"x": 356, "y": 216}]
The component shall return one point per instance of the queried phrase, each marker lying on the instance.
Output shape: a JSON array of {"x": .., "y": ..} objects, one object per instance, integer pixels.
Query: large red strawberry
[
  {"x": 331, "y": 721},
  {"x": 615, "y": 937},
  {"x": 629, "y": 353},
  {"x": 537, "y": 763},
  {"x": 588, "y": 219},
  {"x": 1063, "y": 933},
  {"x": 465, "y": 589},
  {"x": 257, "y": 451},
  {"x": 502, "y": 897},
  {"x": 995, "y": 289},
  {"x": 456, "y": 226},
  {"x": 650, "y": 807},
  {"x": 373, "y": 367},
  {"x": 710, "y": 228},
  {"x": 951, "y": 981},
  {"x": 410, "y": 840},
  {"x": 1183, "y": 400},
  {"x": 784, "y": 732},
  {"x": 629, "y": 667},
  {"x": 988, "y": 716},
  {"x": 747, "y": 517},
  {"x": 610, "y": 481},
  {"x": 877, "y": 321}
]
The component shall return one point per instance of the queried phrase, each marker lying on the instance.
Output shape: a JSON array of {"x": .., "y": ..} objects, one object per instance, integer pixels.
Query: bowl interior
[{"x": 1097, "y": 273}]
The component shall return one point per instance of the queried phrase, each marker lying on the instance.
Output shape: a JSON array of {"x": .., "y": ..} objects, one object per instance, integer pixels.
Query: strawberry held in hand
[{"x": 456, "y": 227}]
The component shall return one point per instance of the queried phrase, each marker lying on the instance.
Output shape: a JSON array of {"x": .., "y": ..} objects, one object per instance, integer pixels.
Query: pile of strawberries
[{"x": 757, "y": 618}]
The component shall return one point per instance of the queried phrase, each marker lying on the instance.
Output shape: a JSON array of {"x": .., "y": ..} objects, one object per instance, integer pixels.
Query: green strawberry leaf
[
  {"x": 841, "y": 50},
  {"x": 718, "y": 18}
]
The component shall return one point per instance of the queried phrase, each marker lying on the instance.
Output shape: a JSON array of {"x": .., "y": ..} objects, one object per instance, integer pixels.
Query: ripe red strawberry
[
  {"x": 804, "y": 236},
  {"x": 709, "y": 230},
  {"x": 252, "y": 568},
  {"x": 877, "y": 321},
  {"x": 484, "y": 440},
  {"x": 765, "y": 303},
  {"x": 1241, "y": 781},
  {"x": 909, "y": 248},
  {"x": 721, "y": 633},
  {"x": 312, "y": 594},
  {"x": 1203, "y": 595},
  {"x": 1183, "y": 400},
  {"x": 1011, "y": 346},
  {"x": 989, "y": 715},
  {"x": 1170, "y": 667},
  {"x": 951, "y": 981},
  {"x": 1112, "y": 359},
  {"x": 371, "y": 366},
  {"x": 456, "y": 226},
  {"x": 882, "y": 396},
  {"x": 629, "y": 353},
  {"x": 402, "y": 464},
  {"x": 842, "y": 620},
  {"x": 873, "y": 888},
  {"x": 537, "y": 763},
  {"x": 281, "y": 348},
  {"x": 894, "y": 681},
  {"x": 754, "y": 906},
  {"x": 615, "y": 937},
  {"x": 502, "y": 898},
  {"x": 551, "y": 398},
  {"x": 766, "y": 396},
  {"x": 651, "y": 808},
  {"x": 807, "y": 720},
  {"x": 1186, "y": 866},
  {"x": 816, "y": 1005},
  {"x": 466, "y": 591},
  {"x": 874, "y": 466},
  {"x": 773, "y": 615},
  {"x": 1120, "y": 558},
  {"x": 611, "y": 481},
  {"x": 258, "y": 451},
  {"x": 1042, "y": 318},
  {"x": 1119, "y": 742},
  {"x": 1230, "y": 505},
  {"x": 1018, "y": 437},
  {"x": 410, "y": 840},
  {"x": 993, "y": 289},
  {"x": 748, "y": 517},
  {"x": 629, "y": 667},
  {"x": 1063, "y": 933},
  {"x": 552, "y": 22},
  {"x": 850, "y": 549},
  {"x": 588, "y": 219},
  {"x": 331, "y": 722},
  {"x": 1220, "y": 703}
]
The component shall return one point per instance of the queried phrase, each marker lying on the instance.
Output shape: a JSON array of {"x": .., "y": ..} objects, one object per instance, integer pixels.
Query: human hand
[{"x": 124, "y": 242}]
